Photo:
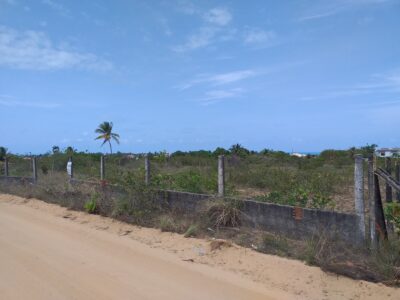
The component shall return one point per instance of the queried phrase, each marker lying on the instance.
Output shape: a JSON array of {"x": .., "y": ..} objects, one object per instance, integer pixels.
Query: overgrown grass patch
[{"x": 219, "y": 219}]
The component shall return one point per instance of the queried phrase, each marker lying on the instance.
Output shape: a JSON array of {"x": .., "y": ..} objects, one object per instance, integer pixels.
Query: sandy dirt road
[{"x": 48, "y": 252}]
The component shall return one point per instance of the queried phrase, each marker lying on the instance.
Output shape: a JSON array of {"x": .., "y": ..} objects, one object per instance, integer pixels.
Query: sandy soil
[{"x": 49, "y": 252}]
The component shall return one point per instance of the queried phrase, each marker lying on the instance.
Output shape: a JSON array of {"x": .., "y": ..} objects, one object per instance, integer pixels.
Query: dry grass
[
  {"x": 224, "y": 213},
  {"x": 222, "y": 220}
]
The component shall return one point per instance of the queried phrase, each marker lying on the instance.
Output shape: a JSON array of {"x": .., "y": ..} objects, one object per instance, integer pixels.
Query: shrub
[
  {"x": 298, "y": 197},
  {"x": 386, "y": 261},
  {"x": 316, "y": 250},
  {"x": 192, "y": 231},
  {"x": 392, "y": 212},
  {"x": 167, "y": 223},
  {"x": 224, "y": 212},
  {"x": 320, "y": 201},
  {"x": 220, "y": 151},
  {"x": 91, "y": 205},
  {"x": 45, "y": 169},
  {"x": 275, "y": 244},
  {"x": 3, "y": 153},
  {"x": 136, "y": 202}
]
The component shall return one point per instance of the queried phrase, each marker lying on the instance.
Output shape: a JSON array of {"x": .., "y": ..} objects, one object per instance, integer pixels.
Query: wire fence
[{"x": 282, "y": 179}]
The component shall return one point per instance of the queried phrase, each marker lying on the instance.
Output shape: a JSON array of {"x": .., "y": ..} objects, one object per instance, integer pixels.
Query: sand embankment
[{"x": 49, "y": 252}]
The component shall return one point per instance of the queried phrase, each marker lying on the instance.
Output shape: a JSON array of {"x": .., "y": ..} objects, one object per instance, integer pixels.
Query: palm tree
[
  {"x": 106, "y": 134},
  {"x": 55, "y": 149},
  {"x": 69, "y": 150}
]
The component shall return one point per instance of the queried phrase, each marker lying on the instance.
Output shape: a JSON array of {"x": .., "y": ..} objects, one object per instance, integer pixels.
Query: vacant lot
[{"x": 49, "y": 252}]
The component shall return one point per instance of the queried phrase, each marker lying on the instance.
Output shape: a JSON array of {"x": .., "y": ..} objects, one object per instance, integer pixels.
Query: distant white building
[
  {"x": 298, "y": 154},
  {"x": 388, "y": 152}
]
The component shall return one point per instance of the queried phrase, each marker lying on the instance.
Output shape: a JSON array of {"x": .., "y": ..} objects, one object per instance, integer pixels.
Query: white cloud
[
  {"x": 258, "y": 36},
  {"x": 57, "y": 7},
  {"x": 219, "y": 79},
  {"x": 12, "y": 102},
  {"x": 200, "y": 39},
  {"x": 218, "y": 16},
  {"x": 34, "y": 50},
  {"x": 165, "y": 26},
  {"x": 330, "y": 8},
  {"x": 383, "y": 82},
  {"x": 186, "y": 7},
  {"x": 215, "y": 96},
  {"x": 386, "y": 83},
  {"x": 231, "y": 77},
  {"x": 212, "y": 30}
]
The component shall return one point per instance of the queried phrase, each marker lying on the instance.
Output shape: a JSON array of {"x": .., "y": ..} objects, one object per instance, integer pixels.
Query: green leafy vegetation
[
  {"x": 167, "y": 223},
  {"x": 299, "y": 197},
  {"x": 192, "y": 231},
  {"x": 392, "y": 213},
  {"x": 218, "y": 219},
  {"x": 91, "y": 205},
  {"x": 315, "y": 181},
  {"x": 3, "y": 153}
]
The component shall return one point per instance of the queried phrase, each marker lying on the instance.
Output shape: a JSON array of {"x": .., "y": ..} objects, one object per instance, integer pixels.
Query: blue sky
[{"x": 292, "y": 75}]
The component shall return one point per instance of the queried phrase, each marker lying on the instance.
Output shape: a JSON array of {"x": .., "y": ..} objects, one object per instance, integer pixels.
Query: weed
[
  {"x": 91, "y": 205},
  {"x": 167, "y": 223},
  {"x": 310, "y": 252},
  {"x": 299, "y": 197},
  {"x": 192, "y": 231},
  {"x": 392, "y": 212},
  {"x": 224, "y": 212},
  {"x": 45, "y": 169},
  {"x": 275, "y": 244},
  {"x": 320, "y": 201},
  {"x": 386, "y": 261}
]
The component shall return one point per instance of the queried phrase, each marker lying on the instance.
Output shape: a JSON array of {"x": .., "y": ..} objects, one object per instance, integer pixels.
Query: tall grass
[{"x": 272, "y": 176}]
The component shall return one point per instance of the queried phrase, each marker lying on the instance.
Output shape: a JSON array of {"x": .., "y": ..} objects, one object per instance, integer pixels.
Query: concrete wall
[
  {"x": 280, "y": 218},
  {"x": 15, "y": 179},
  {"x": 293, "y": 222}
]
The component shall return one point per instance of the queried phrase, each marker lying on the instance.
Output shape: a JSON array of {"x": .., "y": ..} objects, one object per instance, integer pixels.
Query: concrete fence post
[
  {"x": 371, "y": 203},
  {"x": 6, "y": 173},
  {"x": 146, "y": 170},
  {"x": 34, "y": 169},
  {"x": 221, "y": 175},
  {"x": 102, "y": 168},
  {"x": 398, "y": 179},
  {"x": 388, "y": 166},
  {"x": 359, "y": 192},
  {"x": 70, "y": 168},
  {"x": 380, "y": 223}
]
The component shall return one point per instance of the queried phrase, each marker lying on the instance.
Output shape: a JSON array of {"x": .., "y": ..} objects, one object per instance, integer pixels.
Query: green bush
[
  {"x": 166, "y": 223},
  {"x": 299, "y": 196},
  {"x": 392, "y": 212},
  {"x": 45, "y": 169},
  {"x": 192, "y": 231},
  {"x": 320, "y": 201},
  {"x": 91, "y": 205}
]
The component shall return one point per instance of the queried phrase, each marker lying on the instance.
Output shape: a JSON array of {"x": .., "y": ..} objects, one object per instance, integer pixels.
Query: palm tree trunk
[{"x": 110, "y": 147}]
